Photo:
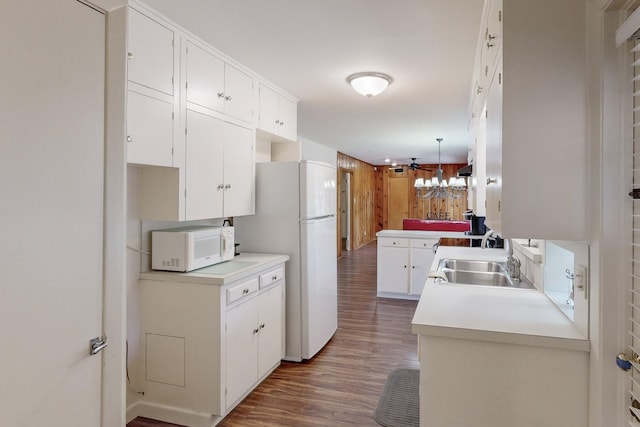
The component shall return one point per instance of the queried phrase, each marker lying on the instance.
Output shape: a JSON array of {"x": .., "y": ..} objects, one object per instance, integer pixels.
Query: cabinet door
[
  {"x": 270, "y": 324},
  {"x": 203, "y": 167},
  {"x": 393, "y": 270},
  {"x": 288, "y": 114},
  {"x": 493, "y": 36},
  {"x": 268, "y": 109},
  {"x": 494, "y": 153},
  {"x": 205, "y": 78},
  {"x": 238, "y": 171},
  {"x": 421, "y": 260},
  {"x": 150, "y": 46},
  {"x": 149, "y": 130},
  {"x": 241, "y": 349},
  {"x": 238, "y": 94}
]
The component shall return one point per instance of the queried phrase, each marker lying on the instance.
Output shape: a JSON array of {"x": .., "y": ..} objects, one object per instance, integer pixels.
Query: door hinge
[
  {"x": 499, "y": 16},
  {"x": 97, "y": 344}
]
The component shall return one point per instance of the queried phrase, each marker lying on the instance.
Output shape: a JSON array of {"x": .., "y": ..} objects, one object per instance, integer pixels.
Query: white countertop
[
  {"x": 495, "y": 314},
  {"x": 417, "y": 234},
  {"x": 241, "y": 266}
]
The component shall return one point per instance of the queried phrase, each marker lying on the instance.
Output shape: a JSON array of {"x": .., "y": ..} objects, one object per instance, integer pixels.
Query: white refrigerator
[{"x": 296, "y": 215}]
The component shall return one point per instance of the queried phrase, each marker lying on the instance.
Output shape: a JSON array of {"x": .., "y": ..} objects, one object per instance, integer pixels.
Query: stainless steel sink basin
[
  {"x": 480, "y": 273},
  {"x": 471, "y": 265}
]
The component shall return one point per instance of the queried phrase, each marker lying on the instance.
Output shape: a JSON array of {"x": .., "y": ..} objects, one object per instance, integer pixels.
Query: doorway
[
  {"x": 398, "y": 206},
  {"x": 344, "y": 212}
]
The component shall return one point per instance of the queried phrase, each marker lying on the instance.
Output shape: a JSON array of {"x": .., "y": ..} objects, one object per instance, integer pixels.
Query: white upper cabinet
[
  {"x": 150, "y": 96},
  {"x": 150, "y": 56},
  {"x": 219, "y": 170},
  {"x": 204, "y": 169},
  {"x": 212, "y": 83},
  {"x": 149, "y": 130},
  {"x": 204, "y": 83},
  {"x": 278, "y": 114},
  {"x": 536, "y": 121},
  {"x": 238, "y": 93},
  {"x": 239, "y": 171}
]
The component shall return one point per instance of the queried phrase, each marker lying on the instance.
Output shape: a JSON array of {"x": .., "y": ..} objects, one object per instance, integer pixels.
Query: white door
[{"x": 51, "y": 175}]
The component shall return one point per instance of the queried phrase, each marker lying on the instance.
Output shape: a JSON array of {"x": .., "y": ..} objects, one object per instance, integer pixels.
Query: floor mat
[{"x": 399, "y": 405}]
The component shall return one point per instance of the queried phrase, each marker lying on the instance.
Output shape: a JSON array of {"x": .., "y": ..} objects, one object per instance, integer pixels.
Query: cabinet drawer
[
  {"x": 240, "y": 291},
  {"x": 393, "y": 242},
  {"x": 423, "y": 243},
  {"x": 272, "y": 276}
]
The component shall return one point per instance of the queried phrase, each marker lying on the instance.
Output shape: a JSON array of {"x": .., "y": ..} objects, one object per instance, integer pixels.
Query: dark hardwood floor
[{"x": 342, "y": 384}]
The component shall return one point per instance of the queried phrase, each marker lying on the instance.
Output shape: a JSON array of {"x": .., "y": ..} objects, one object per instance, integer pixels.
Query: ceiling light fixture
[{"x": 369, "y": 84}]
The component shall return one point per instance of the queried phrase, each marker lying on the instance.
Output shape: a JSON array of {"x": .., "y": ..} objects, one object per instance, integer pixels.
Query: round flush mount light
[{"x": 369, "y": 84}]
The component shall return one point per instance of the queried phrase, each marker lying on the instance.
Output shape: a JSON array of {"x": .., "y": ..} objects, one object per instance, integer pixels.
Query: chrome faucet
[
  {"x": 513, "y": 262},
  {"x": 483, "y": 243}
]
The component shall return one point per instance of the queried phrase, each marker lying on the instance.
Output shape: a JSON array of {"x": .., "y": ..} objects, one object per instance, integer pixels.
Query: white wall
[{"x": 314, "y": 151}]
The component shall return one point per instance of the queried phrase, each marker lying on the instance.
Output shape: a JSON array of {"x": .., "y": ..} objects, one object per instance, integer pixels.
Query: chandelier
[{"x": 438, "y": 188}]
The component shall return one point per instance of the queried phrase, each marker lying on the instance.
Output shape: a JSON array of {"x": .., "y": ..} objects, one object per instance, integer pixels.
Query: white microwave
[{"x": 189, "y": 248}]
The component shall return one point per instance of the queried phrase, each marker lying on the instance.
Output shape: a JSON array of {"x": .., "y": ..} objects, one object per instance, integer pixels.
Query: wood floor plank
[{"x": 341, "y": 385}]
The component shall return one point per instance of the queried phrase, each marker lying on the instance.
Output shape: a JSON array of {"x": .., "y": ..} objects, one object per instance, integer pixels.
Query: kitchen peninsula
[
  {"x": 495, "y": 356},
  {"x": 404, "y": 259}
]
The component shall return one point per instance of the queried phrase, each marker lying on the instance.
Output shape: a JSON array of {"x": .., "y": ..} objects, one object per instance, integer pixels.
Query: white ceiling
[{"x": 309, "y": 47}]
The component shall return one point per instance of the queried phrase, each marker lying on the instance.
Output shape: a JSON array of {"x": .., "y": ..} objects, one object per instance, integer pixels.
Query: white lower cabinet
[
  {"x": 207, "y": 346},
  {"x": 403, "y": 265},
  {"x": 254, "y": 341}
]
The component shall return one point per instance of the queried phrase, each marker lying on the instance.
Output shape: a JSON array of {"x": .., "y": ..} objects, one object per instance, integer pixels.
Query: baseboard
[
  {"x": 173, "y": 415},
  {"x": 132, "y": 412}
]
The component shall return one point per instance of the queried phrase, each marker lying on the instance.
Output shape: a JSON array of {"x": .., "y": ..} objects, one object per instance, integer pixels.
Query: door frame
[
  {"x": 114, "y": 370},
  {"x": 349, "y": 210}
]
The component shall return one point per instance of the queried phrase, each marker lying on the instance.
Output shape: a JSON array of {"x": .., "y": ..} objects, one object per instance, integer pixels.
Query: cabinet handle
[
  {"x": 228, "y": 186},
  {"x": 281, "y": 123},
  {"x": 129, "y": 138},
  {"x": 220, "y": 94},
  {"x": 220, "y": 187},
  {"x": 491, "y": 181},
  {"x": 227, "y": 98},
  {"x": 489, "y": 45},
  {"x": 129, "y": 55},
  {"x": 262, "y": 326},
  {"x": 255, "y": 331},
  {"x": 277, "y": 122},
  {"x": 274, "y": 278},
  {"x": 245, "y": 291},
  {"x": 405, "y": 266}
]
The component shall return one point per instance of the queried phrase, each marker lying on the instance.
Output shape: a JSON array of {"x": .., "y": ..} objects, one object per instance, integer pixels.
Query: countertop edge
[
  {"x": 263, "y": 261},
  {"x": 426, "y": 234},
  {"x": 572, "y": 344}
]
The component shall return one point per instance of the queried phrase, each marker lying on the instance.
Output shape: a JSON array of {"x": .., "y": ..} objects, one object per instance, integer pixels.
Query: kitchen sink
[
  {"x": 470, "y": 265},
  {"x": 480, "y": 273}
]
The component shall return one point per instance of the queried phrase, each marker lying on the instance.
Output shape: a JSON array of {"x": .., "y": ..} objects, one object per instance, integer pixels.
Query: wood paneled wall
[
  {"x": 370, "y": 193},
  {"x": 363, "y": 195},
  {"x": 418, "y": 208}
]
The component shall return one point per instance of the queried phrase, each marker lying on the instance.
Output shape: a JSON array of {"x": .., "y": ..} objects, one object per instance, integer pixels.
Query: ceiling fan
[
  {"x": 411, "y": 166},
  {"x": 415, "y": 166}
]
